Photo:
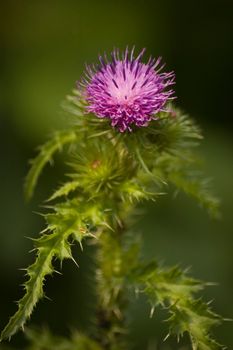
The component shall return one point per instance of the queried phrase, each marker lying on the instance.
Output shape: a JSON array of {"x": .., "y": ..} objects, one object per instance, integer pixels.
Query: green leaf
[
  {"x": 174, "y": 291},
  {"x": 65, "y": 189},
  {"x": 198, "y": 188},
  {"x": 68, "y": 219},
  {"x": 33, "y": 288},
  {"x": 45, "y": 156},
  {"x": 133, "y": 191},
  {"x": 181, "y": 172},
  {"x": 195, "y": 317}
]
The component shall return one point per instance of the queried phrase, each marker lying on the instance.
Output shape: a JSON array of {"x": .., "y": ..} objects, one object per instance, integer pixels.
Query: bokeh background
[{"x": 44, "y": 45}]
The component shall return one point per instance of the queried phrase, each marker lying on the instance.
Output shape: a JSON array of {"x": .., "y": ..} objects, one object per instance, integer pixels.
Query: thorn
[
  {"x": 137, "y": 291},
  {"x": 72, "y": 258},
  {"x": 81, "y": 245},
  {"x": 32, "y": 250},
  {"x": 152, "y": 311},
  {"x": 210, "y": 284},
  {"x": 166, "y": 337},
  {"x": 92, "y": 235},
  {"x": 31, "y": 238},
  {"x": 38, "y": 213},
  {"x": 187, "y": 269},
  {"x": 44, "y": 230},
  {"x": 118, "y": 313},
  {"x": 228, "y": 319},
  {"x": 48, "y": 298},
  {"x": 108, "y": 226}
]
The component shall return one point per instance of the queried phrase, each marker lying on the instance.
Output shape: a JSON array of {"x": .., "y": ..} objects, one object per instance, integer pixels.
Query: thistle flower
[{"x": 125, "y": 90}]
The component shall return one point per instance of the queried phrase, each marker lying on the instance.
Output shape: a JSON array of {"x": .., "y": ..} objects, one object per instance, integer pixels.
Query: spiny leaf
[
  {"x": 174, "y": 290},
  {"x": 196, "y": 318},
  {"x": 198, "y": 188},
  {"x": 133, "y": 191},
  {"x": 42, "y": 267},
  {"x": 65, "y": 189},
  {"x": 34, "y": 290},
  {"x": 68, "y": 219},
  {"x": 162, "y": 284},
  {"x": 180, "y": 172},
  {"x": 45, "y": 155}
]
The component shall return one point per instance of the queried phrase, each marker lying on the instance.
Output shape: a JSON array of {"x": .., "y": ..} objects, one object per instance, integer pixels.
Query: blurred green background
[{"x": 44, "y": 45}]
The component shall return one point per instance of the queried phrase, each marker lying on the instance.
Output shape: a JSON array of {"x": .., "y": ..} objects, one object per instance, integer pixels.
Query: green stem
[{"x": 112, "y": 300}]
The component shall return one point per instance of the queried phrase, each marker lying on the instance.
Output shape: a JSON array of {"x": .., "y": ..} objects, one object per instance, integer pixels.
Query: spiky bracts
[{"x": 126, "y": 91}]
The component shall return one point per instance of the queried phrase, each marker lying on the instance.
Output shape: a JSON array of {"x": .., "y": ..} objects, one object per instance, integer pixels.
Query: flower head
[{"x": 127, "y": 91}]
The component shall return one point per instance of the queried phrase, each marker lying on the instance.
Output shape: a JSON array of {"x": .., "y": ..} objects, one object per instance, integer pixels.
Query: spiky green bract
[
  {"x": 44, "y": 340},
  {"x": 172, "y": 289},
  {"x": 69, "y": 220}
]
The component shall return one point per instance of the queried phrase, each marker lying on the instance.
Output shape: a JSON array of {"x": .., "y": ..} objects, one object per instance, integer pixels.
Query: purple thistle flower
[{"x": 127, "y": 91}]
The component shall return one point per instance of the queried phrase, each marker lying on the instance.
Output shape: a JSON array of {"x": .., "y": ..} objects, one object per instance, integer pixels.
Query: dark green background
[{"x": 44, "y": 45}]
